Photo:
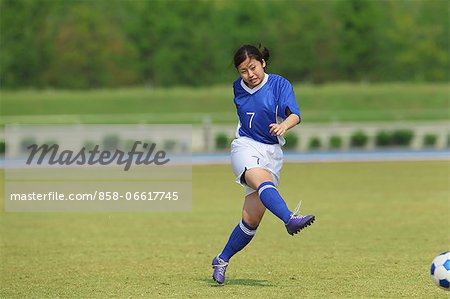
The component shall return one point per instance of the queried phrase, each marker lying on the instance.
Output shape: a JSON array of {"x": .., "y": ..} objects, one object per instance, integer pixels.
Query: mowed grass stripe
[
  {"x": 226, "y": 118},
  {"x": 330, "y": 102}
]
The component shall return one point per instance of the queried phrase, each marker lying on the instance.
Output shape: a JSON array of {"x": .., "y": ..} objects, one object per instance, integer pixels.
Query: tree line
[{"x": 97, "y": 44}]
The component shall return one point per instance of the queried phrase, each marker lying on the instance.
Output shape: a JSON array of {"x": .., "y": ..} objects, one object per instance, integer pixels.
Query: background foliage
[{"x": 92, "y": 44}]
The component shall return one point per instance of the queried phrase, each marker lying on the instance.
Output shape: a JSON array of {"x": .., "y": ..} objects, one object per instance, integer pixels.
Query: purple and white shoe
[
  {"x": 219, "y": 266},
  {"x": 298, "y": 222}
]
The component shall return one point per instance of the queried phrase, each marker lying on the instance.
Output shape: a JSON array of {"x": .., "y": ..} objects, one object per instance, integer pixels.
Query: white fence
[{"x": 204, "y": 136}]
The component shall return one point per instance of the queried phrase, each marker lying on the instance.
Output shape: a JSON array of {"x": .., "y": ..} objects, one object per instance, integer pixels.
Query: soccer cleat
[
  {"x": 298, "y": 222},
  {"x": 219, "y": 266}
]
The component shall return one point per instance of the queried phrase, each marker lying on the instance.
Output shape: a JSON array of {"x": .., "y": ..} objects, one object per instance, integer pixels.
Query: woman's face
[{"x": 252, "y": 71}]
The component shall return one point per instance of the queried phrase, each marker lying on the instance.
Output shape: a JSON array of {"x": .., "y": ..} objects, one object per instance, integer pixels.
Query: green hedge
[
  {"x": 335, "y": 142},
  {"x": 291, "y": 141},
  {"x": 26, "y": 142},
  {"x": 430, "y": 140},
  {"x": 2, "y": 147},
  {"x": 111, "y": 142},
  {"x": 383, "y": 138},
  {"x": 222, "y": 141},
  {"x": 358, "y": 139},
  {"x": 402, "y": 137},
  {"x": 314, "y": 143}
]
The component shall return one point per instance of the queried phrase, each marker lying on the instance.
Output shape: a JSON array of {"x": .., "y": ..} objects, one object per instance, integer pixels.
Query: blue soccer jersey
[{"x": 269, "y": 102}]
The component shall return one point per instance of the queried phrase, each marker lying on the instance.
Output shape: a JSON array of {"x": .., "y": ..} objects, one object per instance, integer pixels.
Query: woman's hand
[{"x": 278, "y": 129}]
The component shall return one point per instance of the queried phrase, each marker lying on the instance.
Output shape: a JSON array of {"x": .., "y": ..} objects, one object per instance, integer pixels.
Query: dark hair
[{"x": 250, "y": 51}]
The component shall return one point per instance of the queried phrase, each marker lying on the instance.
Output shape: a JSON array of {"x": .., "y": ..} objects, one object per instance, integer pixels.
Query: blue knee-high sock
[
  {"x": 273, "y": 201},
  {"x": 240, "y": 237}
]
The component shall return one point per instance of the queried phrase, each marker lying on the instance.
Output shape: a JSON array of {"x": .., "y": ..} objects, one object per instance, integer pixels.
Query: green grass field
[
  {"x": 320, "y": 103},
  {"x": 379, "y": 225}
]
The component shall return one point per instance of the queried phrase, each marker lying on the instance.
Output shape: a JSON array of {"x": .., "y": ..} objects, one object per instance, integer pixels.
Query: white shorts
[{"x": 247, "y": 153}]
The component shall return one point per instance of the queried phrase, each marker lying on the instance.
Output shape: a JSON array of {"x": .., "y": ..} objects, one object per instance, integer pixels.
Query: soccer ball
[{"x": 440, "y": 270}]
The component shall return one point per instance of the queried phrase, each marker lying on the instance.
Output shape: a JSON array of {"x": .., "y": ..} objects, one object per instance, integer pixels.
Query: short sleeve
[{"x": 287, "y": 100}]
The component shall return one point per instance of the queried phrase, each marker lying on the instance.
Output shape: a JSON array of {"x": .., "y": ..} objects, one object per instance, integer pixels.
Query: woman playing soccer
[{"x": 267, "y": 108}]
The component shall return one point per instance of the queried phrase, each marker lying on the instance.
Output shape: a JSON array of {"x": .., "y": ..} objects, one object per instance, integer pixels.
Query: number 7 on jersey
[{"x": 251, "y": 118}]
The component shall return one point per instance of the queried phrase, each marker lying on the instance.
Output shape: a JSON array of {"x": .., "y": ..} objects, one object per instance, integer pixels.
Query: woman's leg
[
  {"x": 253, "y": 210},
  {"x": 243, "y": 233},
  {"x": 254, "y": 177},
  {"x": 261, "y": 180}
]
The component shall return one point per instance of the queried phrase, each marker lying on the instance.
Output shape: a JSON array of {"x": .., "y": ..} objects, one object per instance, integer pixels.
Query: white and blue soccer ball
[{"x": 440, "y": 270}]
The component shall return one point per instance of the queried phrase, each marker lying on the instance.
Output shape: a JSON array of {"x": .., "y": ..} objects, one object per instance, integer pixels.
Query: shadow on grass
[{"x": 239, "y": 281}]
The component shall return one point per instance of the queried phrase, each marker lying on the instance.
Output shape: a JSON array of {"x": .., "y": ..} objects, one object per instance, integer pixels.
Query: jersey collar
[{"x": 256, "y": 88}]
